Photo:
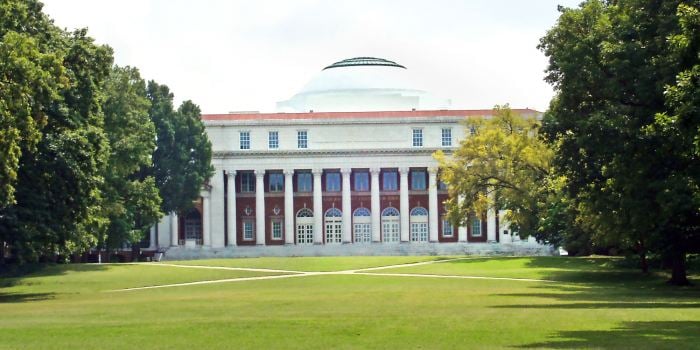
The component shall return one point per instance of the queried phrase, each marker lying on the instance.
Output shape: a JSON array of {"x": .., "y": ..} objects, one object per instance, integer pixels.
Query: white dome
[{"x": 361, "y": 84}]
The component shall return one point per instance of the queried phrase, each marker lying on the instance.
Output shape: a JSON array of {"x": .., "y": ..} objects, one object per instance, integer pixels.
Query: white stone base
[{"x": 368, "y": 249}]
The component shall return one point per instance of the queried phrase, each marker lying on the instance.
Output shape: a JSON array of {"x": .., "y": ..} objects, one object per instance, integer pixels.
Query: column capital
[
  {"x": 345, "y": 171},
  {"x": 404, "y": 170},
  {"x": 259, "y": 172},
  {"x": 375, "y": 170},
  {"x": 432, "y": 171},
  {"x": 230, "y": 172},
  {"x": 288, "y": 172},
  {"x": 317, "y": 171},
  {"x": 205, "y": 193}
]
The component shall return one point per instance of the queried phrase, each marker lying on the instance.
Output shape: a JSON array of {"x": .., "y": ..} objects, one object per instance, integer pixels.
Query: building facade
[{"x": 321, "y": 176}]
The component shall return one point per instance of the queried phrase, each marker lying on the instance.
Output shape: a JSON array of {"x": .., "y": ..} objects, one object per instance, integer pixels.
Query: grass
[{"x": 595, "y": 304}]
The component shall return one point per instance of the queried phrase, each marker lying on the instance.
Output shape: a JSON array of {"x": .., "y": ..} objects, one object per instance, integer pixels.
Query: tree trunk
[
  {"x": 678, "y": 270},
  {"x": 644, "y": 264}
]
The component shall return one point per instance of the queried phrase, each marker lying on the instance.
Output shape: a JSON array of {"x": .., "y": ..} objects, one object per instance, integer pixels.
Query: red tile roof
[{"x": 347, "y": 115}]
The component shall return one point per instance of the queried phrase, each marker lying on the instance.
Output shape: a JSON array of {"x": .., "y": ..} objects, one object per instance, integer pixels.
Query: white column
[
  {"x": 217, "y": 214},
  {"x": 232, "y": 225},
  {"x": 152, "y": 237},
  {"x": 206, "y": 218},
  {"x": 432, "y": 205},
  {"x": 174, "y": 239},
  {"x": 260, "y": 207},
  {"x": 504, "y": 226},
  {"x": 376, "y": 205},
  {"x": 347, "y": 206},
  {"x": 318, "y": 206},
  {"x": 461, "y": 230},
  {"x": 491, "y": 218},
  {"x": 405, "y": 211},
  {"x": 289, "y": 206}
]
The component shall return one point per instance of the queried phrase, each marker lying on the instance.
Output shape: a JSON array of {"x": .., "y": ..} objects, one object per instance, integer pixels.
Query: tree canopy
[{"x": 625, "y": 120}]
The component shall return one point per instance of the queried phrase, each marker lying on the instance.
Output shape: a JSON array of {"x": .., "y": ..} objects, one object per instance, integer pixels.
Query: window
[
  {"x": 334, "y": 226},
  {"x": 446, "y": 137},
  {"x": 447, "y": 229},
  {"x": 248, "y": 230},
  {"x": 442, "y": 185},
  {"x": 476, "y": 226},
  {"x": 361, "y": 181},
  {"x": 247, "y": 182},
  {"x": 244, "y": 137},
  {"x": 419, "y": 224},
  {"x": 304, "y": 182},
  {"x": 302, "y": 139},
  {"x": 305, "y": 226},
  {"x": 333, "y": 182},
  {"x": 389, "y": 182},
  {"x": 417, "y": 137},
  {"x": 362, "y": 225},
  {"x": 273, "y": 140},
  {"x": 390, "y": 225},
  {"x": 276, "y": 181},
  {"x": 276, "y": 229},
  {"x": 418, "y": 180}
]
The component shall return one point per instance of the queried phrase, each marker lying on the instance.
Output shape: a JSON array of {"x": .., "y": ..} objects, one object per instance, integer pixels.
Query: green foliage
[
  {"x": 625, "y": 121},
  {"x": 503, "y": 165},
  {"x": 182, "y": 159},
  {"x": 131, "y": 200}
]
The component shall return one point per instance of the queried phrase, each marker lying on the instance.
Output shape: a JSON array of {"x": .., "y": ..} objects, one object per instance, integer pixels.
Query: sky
[{"x": 232, "y": 55}]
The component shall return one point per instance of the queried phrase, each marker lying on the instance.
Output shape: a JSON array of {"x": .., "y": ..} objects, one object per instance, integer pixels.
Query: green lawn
[{"x": 595, "y": 305}]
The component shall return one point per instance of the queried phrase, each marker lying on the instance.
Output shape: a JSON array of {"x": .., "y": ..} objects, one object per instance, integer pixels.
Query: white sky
[{"x": 247, "y": 55}]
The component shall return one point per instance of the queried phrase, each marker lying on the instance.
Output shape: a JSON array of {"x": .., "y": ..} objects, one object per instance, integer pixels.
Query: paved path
[{"x": 294, "y": 274}]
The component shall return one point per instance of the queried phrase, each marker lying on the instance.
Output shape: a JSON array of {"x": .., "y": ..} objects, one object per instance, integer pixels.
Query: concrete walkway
[{"x": 294, "y": 274}]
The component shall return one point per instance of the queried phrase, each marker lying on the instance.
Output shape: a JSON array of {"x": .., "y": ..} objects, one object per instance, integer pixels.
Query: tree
[
  {"x": 30, "y": 77},
  {"x": 131, "y": 201},
  {"x": 624, "y": 119},
  {"x": 182, "y": 159},
  {"x": 502, "y": 165}
]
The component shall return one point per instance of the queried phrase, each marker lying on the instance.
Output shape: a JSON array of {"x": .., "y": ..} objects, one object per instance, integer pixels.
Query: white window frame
[
  {"x": 339, "y": 183},
  {"x": 269, "y": 182},
  {"x": 447, "y": 229},
  {"x": 446, "y": 134},
  {"x": 476, "y": 223},
  {"x": 251, "y": 225},
  {"x": 273, "y": 142},
  {"x": 417, "y": 139},
  {"x": 249, "y": 187},
  {"x": 244, "y": 139},
  {"x": 391, "y": 225},
  {"x": 276, "y": 223},
  {"x": 302, "y": 139}
]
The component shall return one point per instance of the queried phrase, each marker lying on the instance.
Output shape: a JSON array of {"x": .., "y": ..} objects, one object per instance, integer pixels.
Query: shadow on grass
[
  {"x": 644, "y": 335},
  {"x": 7, "y": 298}
]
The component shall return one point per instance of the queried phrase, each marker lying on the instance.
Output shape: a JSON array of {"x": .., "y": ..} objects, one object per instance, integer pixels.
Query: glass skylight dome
[{"x": 362, "y": 84}]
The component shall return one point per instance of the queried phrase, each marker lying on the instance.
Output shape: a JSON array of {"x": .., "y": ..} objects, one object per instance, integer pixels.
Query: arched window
[
  {"x": 305, "y": 226},
  {"x": 193, "y": 226},
  {"x": 334, "y": 225},
  {"x": 362, "y": 225},
  {"x": 419, "y": 211},
  {"x": 390, "y": 225},
  {"x": 419, "y": 224}
]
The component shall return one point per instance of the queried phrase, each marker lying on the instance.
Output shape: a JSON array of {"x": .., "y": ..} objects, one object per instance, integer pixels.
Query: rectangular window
[
  {"x": 446, "y": 137},
  {"x": 447, "y": 229},
  {"x": 390, "y": 182},
  {"x": 247, "y": 182},
  {"x": 417, "y": 137},
  {"x": 333, "y": 182},
  {"x": 361, "y": 181},
  {"x": 244, "y": 137},
  {"x": 304, "y": 182},
  {"x": 442, "y": 185},
  {"x": 302, "y": 139},
  {"x": 276, "y": 181},
  {"x": 273, "y": 140},
  {"x": 276, "y": 229},
  {"x": 418, "y": 180},
  {"x": 476, "y": 227},
  {"x": 248, "y": 230}
]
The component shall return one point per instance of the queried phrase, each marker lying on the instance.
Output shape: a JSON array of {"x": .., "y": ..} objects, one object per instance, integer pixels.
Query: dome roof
[
  {"x": 361, "y": 84},
  {"x": 364, "y": 61}
]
